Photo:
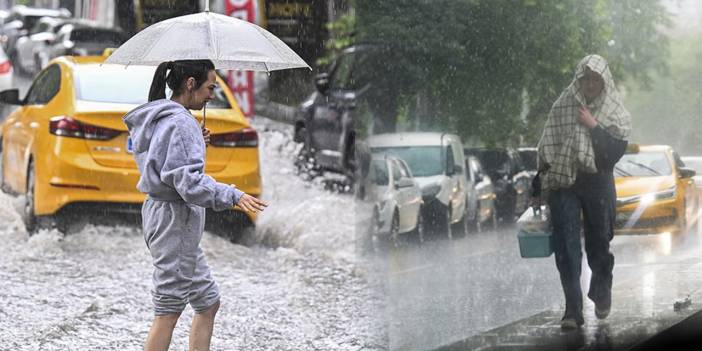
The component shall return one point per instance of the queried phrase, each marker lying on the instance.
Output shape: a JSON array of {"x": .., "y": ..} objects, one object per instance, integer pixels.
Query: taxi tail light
[
  {"x": 69, "y": 127},
  {"x": 5, "y": 67},
  {"x": 242, "y": 138}
]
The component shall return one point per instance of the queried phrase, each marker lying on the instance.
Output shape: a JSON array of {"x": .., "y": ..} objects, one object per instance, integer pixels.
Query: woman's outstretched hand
[
  {"x": 585, "y": 118},
  {"x": 251, "y": 204}
]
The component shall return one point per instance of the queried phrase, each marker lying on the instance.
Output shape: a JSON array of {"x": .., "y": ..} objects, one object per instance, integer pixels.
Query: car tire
[
  {"x": 3, "y": 187},
  {"x": 461, "y": 229},
  {"x": 447, "y": 224},
  {"x": 493, "y": 219},
  {"x": 300, "y": 134},
  {"x": 28, "y": 215},
  {"x": 395, "y": 230},
  {"x": 419, "y": 229},
  {"x": 477, "y": 224},
  {"x": 682, "y": 229}
]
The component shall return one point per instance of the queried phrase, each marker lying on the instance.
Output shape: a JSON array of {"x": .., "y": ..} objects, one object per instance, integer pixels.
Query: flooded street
[
  {"x": 302, "y": 289},
  {"x": 447, "y": 290}
]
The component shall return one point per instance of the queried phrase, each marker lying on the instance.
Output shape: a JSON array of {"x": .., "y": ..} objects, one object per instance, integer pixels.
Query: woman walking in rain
[
  {"x": 583, "y": 139},
  {"x": 169, "y": 147}
]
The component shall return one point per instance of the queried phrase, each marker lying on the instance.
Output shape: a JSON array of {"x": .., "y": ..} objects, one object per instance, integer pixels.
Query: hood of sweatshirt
[{"x": 142, "y": 121}]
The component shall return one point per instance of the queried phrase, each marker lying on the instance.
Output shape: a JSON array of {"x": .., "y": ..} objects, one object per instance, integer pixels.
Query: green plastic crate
[
  {"x": 535, "y": 244},
  {"x": 534, "y": 233}
]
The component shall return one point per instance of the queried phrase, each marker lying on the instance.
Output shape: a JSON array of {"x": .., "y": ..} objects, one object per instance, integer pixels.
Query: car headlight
[
  {"x": 431, "y": 190},
  {"x": 647, "y": 199},
  {"x": 669, "y": 193}
]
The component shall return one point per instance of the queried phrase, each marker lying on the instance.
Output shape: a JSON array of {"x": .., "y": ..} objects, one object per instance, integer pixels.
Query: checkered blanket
[{"x": 565, "y": 146}]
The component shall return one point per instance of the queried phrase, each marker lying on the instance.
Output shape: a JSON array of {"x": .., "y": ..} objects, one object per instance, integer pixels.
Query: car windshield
[
  {"x": 380, "y": 170},
  {"x": 30, "y": 21},
  {"x": 89, "y": 35},
  {"x": 423, "y": 161},
  {"x": 124, "y": 85},
  {"x": 644, "y": 164},
  {"x": 493, "y": 160}
]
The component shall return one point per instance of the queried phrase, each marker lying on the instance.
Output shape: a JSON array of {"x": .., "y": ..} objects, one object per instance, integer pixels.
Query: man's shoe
[
  {"x": 602, "y": 313},
  {"x": 569, "y": 324}
]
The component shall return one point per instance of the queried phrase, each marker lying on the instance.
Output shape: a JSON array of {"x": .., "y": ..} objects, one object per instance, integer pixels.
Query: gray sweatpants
[{"x": 172, "y": 231}]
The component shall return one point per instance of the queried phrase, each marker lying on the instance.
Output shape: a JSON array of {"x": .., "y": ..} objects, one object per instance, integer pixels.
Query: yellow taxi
[
  {"x": 66, "y": 146},
  {"x": 655, "y": 192}
]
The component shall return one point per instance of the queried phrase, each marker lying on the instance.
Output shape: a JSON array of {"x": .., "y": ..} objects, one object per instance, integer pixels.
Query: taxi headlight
[
  {"x": 669, "y": 193},
  {"x": 649, "y": 198}
]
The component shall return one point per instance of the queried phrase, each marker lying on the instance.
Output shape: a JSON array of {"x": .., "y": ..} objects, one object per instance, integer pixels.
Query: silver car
[
  {"x": 397, "y": 199},
  {"x": 437, "y": 163}
]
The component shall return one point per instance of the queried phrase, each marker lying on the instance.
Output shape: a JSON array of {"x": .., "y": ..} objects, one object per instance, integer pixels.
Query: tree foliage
[{"x": 492, "y": 68}]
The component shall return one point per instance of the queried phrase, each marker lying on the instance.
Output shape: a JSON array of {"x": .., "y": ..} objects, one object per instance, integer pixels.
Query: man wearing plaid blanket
[{"x": 583, "y": 139}]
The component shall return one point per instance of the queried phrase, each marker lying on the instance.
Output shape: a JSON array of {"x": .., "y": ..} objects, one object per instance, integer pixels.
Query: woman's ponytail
[
  {"x": 180, "y": 71},
  {"x": 158, "y": 84}
]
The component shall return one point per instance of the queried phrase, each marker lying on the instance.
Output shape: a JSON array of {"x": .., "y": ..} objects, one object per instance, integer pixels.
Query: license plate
[{"x": 130, "y": 146}]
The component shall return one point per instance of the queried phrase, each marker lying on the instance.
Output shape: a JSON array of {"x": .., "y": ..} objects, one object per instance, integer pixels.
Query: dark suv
[
  {"x": 509, "y": 176},
  {"x": 325, "y": 121}
]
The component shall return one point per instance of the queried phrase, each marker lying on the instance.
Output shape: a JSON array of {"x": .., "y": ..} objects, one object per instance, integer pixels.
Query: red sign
[{"x": 241, "y": 82}]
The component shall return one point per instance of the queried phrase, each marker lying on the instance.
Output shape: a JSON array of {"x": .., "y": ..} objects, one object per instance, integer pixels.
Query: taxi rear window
[{"x": 130, "y": 85}]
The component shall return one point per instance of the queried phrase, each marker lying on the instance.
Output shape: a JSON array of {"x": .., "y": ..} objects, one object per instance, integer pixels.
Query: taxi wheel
[
  {"x": 3, "y": 187},
  {"x": 30, "y": 219},
  {"x": 682, "y": 229}
]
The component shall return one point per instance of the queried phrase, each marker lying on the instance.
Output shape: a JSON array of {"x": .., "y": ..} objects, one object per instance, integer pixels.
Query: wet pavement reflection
[{"x": 479, "y": 290}]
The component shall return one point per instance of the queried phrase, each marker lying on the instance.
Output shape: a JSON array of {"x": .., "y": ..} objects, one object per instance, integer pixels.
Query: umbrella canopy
[{"x": 229, "y": 42}]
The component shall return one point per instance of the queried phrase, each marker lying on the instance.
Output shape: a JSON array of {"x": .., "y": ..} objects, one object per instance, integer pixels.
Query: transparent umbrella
[{"x": 229, "y": 42}]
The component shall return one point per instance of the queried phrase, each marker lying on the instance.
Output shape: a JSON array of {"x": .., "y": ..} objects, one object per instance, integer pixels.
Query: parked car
[
  {"x": 66, "y": 147},
  {"x": 655, "y": 192},
  {"x": 529, "y": 156},
  {"x": 397, "y": 199},
  {"x": 21, "y": 20},
  {"x": 81, "y": 40},
  {"x": 509, "y": 176},
  {"x": 324, "y": 122},
  {"x": 42, "y": 34},
  {"x": 480, "y": 195},
  {"x": 436, "y": 161},
  {"x": 6, "y": 71}
]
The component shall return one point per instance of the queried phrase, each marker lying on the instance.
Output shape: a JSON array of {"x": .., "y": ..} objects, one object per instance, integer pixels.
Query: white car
[
  {"x": 27, "y": 47},
  {"x": 397, "y": 199},
  {"x": 6, "y": 71},
  {"x": 436, "y": 160}
]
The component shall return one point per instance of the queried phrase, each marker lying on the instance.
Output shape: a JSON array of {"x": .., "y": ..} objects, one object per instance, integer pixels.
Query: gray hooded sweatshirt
[{"x": 170, "y": 154}]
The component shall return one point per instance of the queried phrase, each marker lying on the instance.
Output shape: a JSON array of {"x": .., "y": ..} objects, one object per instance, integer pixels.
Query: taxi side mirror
[
  {"x": 686, "y": 172},
  {"x": 10, "y": 97}
]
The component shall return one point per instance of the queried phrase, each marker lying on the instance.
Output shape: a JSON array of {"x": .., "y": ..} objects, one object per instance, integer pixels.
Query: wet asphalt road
[{"x": 444, "y": 291}]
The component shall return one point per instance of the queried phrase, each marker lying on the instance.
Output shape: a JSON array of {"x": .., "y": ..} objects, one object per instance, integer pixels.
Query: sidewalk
[{"x": 642, "y": 318}]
